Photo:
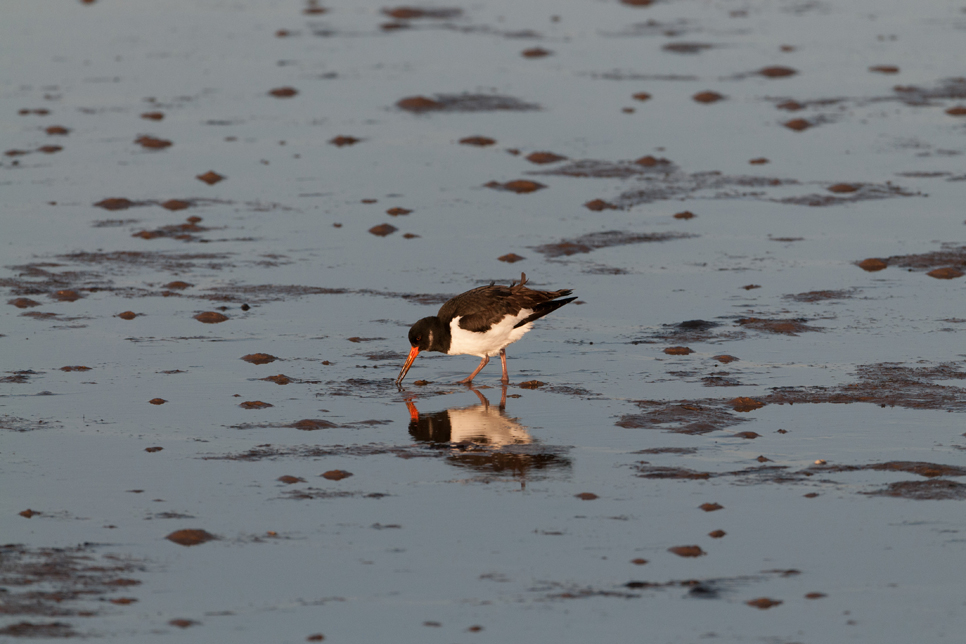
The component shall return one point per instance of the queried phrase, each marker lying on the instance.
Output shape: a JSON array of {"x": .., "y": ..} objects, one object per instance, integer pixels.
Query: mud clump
[
  {"x": 336, "y": 475},
  {"x": 586, "y": 496},
  {"x": 57, "y": 130},
  {"x": 536, "y": 52},
  {"x": 707, "y": 97},
  {"x": 153, "y": 116},
  {"x": 280, "y": 379},
  {"x": 843, "y": 188},
  {"x": 678, "y": 351},
  {"x": 594, "y": 241},
  {"x": 519, "y": 186},
  {"x": 283, "y": 92},
  {"x": 872, "y": 264},
  {"x": 946, "y": 273},
  {"x": 211, "y": 177},
  {"x": 798, "y": 125},
  {"x": 23, "y": 302},
  {"x": 599, "y": 204},
  {"x": 211, "y": 317},
  {"x": 175, "y": 205},
  {"x": 685, "y": 214},
  {"x": 541, "y": 158},
  {"x": 745, "y": 404},
  {"x": 255, "y": 404},
  {"x": 777, "y": 71},
  {"x": 687, "y": 551},
  {"x": 116, "y": 203},
  {"x": 341, "y": 141},
  {"x": 764, "y": 603},
  {"x": 259, "y": 358},
  {"x": 510, "y": 258},
  {"x": 152, "y": 143},
  {"x": 382, "y": 230},
  {"x": 190, "y": 537},
  {"x": 66, "y": 295},
  {"x": 780, "y": 326},
  {"x": 477, "y": 141},
  {"x": 127, "y": 315}
]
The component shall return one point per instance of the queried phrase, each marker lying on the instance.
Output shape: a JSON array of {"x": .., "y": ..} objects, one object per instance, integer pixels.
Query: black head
[{"x": 428, "y": 334}]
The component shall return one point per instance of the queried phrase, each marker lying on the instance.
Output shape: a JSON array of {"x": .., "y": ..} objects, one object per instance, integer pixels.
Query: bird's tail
[{"x": 544, "y": 308}]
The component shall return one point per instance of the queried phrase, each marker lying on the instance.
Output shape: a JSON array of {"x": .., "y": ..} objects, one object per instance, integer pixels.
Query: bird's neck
[{"x": 441, "y": 336}]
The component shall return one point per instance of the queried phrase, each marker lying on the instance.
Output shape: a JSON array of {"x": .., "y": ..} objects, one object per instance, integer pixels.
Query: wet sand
[{"x": 219, "y": 220}]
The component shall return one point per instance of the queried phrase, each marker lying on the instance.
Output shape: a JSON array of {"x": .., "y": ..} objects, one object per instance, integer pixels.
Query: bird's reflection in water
[{"x": 484, "y": 438}]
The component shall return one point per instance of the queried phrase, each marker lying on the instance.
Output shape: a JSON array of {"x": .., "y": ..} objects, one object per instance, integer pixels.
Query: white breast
[{"x": 472, "y": 343}]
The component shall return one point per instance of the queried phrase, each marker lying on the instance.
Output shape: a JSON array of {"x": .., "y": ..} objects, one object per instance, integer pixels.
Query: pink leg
[
  {"x": 506, "y": 378},
  {"x": 469, "y": 378}
]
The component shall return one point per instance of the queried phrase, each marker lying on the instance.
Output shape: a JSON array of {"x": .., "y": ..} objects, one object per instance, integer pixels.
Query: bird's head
[{"x": 425, "y": 335}]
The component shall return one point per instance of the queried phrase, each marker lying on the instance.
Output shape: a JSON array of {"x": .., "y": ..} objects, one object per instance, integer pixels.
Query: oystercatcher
[{"x": 482, "y": 322}]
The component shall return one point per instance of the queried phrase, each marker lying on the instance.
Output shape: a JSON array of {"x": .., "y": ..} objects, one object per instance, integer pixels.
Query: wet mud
[{"x": 348, "y": 169}]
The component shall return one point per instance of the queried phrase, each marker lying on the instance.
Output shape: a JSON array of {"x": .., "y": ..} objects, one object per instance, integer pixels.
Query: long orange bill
[{"x": 409, "y": 362}]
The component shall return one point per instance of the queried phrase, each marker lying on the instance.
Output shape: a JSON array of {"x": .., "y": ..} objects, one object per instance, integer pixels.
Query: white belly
[{"x": 465, "y": 342}]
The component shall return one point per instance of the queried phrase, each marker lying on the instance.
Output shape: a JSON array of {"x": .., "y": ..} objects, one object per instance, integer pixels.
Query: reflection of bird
[
  {"x": 482, "y": 322},
  {"x": 484, "y": 438},
  {"x": 481, "y": 424}
]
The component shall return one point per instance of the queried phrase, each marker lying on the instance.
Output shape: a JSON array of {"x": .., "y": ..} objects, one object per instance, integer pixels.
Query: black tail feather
[{"x": 543, "y": 309}]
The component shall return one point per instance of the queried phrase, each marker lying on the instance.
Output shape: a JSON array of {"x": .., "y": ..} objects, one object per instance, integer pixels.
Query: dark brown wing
[{"x": 482, "y": 307}]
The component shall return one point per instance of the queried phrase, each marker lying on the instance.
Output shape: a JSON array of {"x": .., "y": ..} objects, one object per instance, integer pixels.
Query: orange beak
[
  {"x": 413, "y": 412},
  {"x": 409, "y": 362}
]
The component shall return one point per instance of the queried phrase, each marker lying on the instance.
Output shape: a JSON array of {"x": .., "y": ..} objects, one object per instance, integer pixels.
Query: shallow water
[{"x": 834, "y": 443}]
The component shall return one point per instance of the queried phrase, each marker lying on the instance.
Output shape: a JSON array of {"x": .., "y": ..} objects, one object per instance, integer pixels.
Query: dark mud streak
[
  {"x": 279, "y": 292},
  {"x": 15, "y": 424},
  {"x": 885, "y": 384},
  {"x": 467, "y": 103},
  {"x": 821, "y": 296},
  {"x": 666, "y": 181},
  {"x": 59, "y": 582},
  {"x": 949, "y": 255},
  {"x": 683, "y": 416},
  {"x": 933, "y": 490},
  {"x": 594, "y": 241}
]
